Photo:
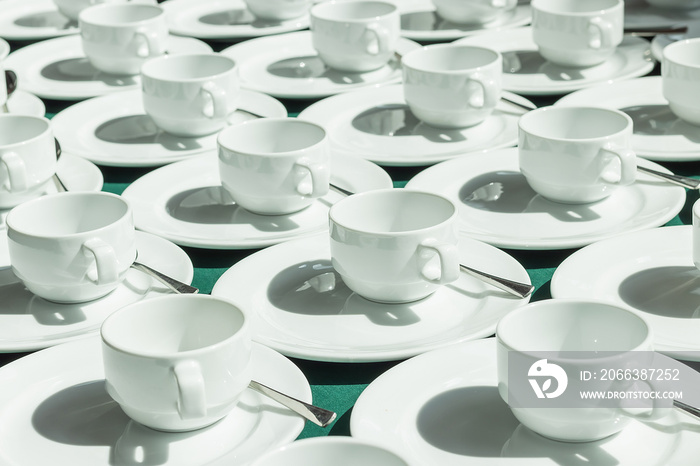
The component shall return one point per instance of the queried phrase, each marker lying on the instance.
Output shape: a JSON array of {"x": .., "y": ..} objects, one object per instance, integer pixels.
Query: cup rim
[
  {"x": 47, "y": 128},
  {"x": 524, "y": 122},
  {"x": 318, "y": 11},
  {"x": 84, "y": 15},
  {"x": 537, "y": 7},
  {"x": 109, "y": 340},
  {"x": 156, "y": 61},
  {"x": 672, "y": 48},
  {"x": 224, "y": 133},
  {"x": 408, "y": 58}
]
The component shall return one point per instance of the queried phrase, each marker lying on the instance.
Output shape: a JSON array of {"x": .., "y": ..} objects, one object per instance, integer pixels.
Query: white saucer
[
  {"x": 536, "y": 76},
  {"x": 376, "y": 124},
  {"x": 304, "y": 310},
  {"x": 24, "y": 103},
  {"x": 28, "y": 323},
  {"x": 223, "y": 19},
  {"x": 114, "y": 130},
  {"x": 33, "y": 20},
  {"x": 185, "y": 203},
  {"x": 658, "y": 133},
  {"x": 60, "y": 414},
  {"x": 443, "y": 408},
  {"x": 420, "y": 22},
  {"x": 498, "y": 206},
  {"x": 58, "y": 69},
  {"x": 641, "y": 13},
  {"x": 651, "y": 272},
  {"x": 287, "y": 66}
]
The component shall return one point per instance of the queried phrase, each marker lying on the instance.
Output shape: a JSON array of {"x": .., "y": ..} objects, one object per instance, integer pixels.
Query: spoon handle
[
  {"x": 319, "y": 416},
  {"x": 655, "y": 30},
  {"x": 686, "y": 182},
  {"x": 687, "y": 408},
  {"x": 521, "y": 290},
  {"x": 175, "y": 285}
]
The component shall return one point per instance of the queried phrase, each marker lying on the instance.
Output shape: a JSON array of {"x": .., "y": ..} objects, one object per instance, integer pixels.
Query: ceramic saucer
[
  {"x": 420, "y": 22},
  {"x": 24, "y": 103},
  {"x": 651, "y": 272},
  {"x": 33, "y": 20},
  {"x": 114, "y": 130},
  {"x": 526, "y": 72},
  {"x": 58, "y": 69},
  {"x": 287, "y": 66},
  {"x": 61, "y": 414},
  {"x": 498, "y": 206},
  {"x": 304, "y": 310},
  {"x": 443, "y": 408},
  {"x": 28, "y": 323},
  {"x": 185, "y": 203},
  {"x": 376, "y": 124},
  {"x": 223, "y": 19},
  {"x": 658, "y": 133}
]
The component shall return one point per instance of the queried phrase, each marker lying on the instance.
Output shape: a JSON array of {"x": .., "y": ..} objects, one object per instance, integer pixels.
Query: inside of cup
[
  {"x": 685, "y": 52},
  {"x": 388, "y": 211},
  {"x": 16, "y": 129},
  {"x": 450, "y": 58},
  {"x": 175, "y": 325},
  {"x": 348, "y": 11},
  {"x": 126, "y": 13},
  {"x": 573, "y": 6},
  {"x": 66, "y": 214},
  {"x": 184, "y": 67},
  {"x": 573, "y": 122},
  {"x": 271, "y": 136}
]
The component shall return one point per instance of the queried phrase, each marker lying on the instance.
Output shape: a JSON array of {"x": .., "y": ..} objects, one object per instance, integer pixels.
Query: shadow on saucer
[
  {"x": 312, "y": 67},
  {"x": 672, "y": 291},
  {"x": 141, "y": 129},
  {"x": 46, "y": 19},
  {"x": 236, "y": 17},
  {"x": 422, "y": 21},
  {"x": 80, "y": 69},
  {"x": 659, "y": 120},
  {"x": 524, "y": 62}
]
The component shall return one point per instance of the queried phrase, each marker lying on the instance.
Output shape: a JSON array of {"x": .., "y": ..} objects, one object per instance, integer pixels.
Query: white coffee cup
[
  {"x": 577, "y": 33},
  {"x": 576, "y": 155},
  {"x": 72, "y": 8},
  {"x": 559, "y": 340},
  {"x": 473, "y": 11},
  {"x": 278, "y": 10},
  {"x": 27, "y": 158},
  {"x": 72, "y": 247},
  {"x": 355, "y": 36},
  {"x": 452, "y": 85},
  {"x": 325, "y": 451},
  {"x": 190, "y": 95},
  {"x": 680, "y": 77},
  {"x": 394, "y": 245},
  {"x": 274, "y": 166},
  {"x": 120, "y": 38},
  {"x": 177, "y": 362},
  {"x": 4, "y": 52}
]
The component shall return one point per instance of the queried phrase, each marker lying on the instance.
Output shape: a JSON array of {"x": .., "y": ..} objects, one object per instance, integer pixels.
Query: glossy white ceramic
[
  {"x": 696, "y": 234},
  {"x": 660, "y": 41},
  {"x": 177, "y": 363},
  {"x": 72, "y": 8},
  {"x": 305, "y": 310},
  {"x": 680, "y": 75},
  {"x": 675, "y": 4},
  {"x": 27, "y": 157},
  {"x": 394, "y": 246},
  {"x": 96, "y": 432},
  {"x": 4, "y": 52},
  {"x": 24, "y": 103},
  {"x": 34, "y": 20},
  {"x": 497, "y": 205},
  {"x": 190, "y": 95},
  {"x": 473, "y": 11},
  {"x": 576, "y": 155},
  {"x": 452, "y": 86},
  {"x": 274, "y": 166},
  {"x": 278, "y": 10},
  {"x": 71, "y": 247}
]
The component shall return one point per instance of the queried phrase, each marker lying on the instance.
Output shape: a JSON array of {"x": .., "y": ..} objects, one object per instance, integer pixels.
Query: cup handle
[
  {"x": 628, "y": 165},
  {"x": 605, "y": 34},
  {"x": 449, "y": 262},
  {"x": 105, "y": 261},
  {"x": 218, "y": 101},
  {"x": 16, "y": 172},
  {"x": 317, "y": 172},
  {"x": 489, "y": 92},
  {"x": 381, "y": 36},
  {"x": 190, "y": 387},
  {"x": 147, "y": 44}
]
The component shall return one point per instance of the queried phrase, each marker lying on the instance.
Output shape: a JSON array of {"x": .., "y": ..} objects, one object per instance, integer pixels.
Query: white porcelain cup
[
  {"x": 190, "y": 95},
  {"x": 177, "y": 362},
  {"x": 355, "y": 36},
  {"x": 576, "y": 155},
  {"x": 577, "y": 33},
  {"x": 562, "y": 340},
  {"x": 27, "y": 158},
  {"x": 473, "y": 11},
  {"x": 680, "y": 77},
  {"x": 72, "y": 247},
  {"x": 325, "y": 451},
  {"x": 278, "y": 10},
  {"x": 696, "y": 233},
  {"x": 4, "y": 52},
  {"x": 452, "y": 85},
  {"x": 119, "y": 38},
  {"x": 274, "y": 166},
  {"x": 72, "y": 8},
  {"x": 394, "y": 245}
]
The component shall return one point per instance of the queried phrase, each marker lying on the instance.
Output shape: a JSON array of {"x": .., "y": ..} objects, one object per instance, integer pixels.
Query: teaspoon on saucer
[
  {"x": 57, "y": 181},
  {"x": 175, "y": 285}
]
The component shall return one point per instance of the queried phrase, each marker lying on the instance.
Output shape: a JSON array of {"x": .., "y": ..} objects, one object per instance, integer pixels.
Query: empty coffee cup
[
  {"x": 72, "y": 247},
  {"x": 452, "y": 85},
  {"x": 178, "y": 362},
  {"x": 473, "y": 11},
  {"x": 576, "y": 155},
  {"x": 278, "y": 10},
  {"x": 274, "y": 166},
  {"x": 680, "y": 77},
  {"x": 394, "y": 245},
  {"x": 119, "y": 38}
]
